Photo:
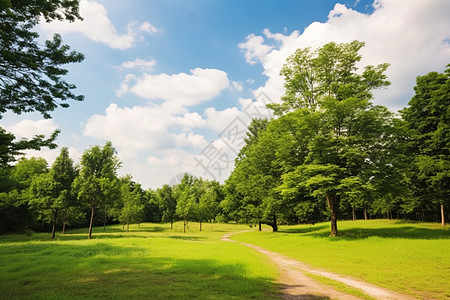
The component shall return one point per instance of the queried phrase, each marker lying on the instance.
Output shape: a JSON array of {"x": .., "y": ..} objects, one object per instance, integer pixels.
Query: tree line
[{"x": 91, "y": 193}]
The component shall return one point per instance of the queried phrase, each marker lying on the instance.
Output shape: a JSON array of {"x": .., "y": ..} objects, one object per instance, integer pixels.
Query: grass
[
  {"x": 410, "y": 258},
  {"x": 150, "y": 262}
]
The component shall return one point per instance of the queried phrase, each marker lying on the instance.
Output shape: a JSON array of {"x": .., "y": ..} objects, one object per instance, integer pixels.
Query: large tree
[
  {"x": 327, "y": 86},
  {"x": 31, "y": 72},
  {"x": 428, "y": 118},
  {"x": 97, "y": 181}
]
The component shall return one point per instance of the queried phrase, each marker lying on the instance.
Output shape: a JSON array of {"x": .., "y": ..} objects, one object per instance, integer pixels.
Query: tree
[
  {"x": 186, "y": 199},
  {"x": 31, "y": 76},
  {"x": 52, "y": 191},
  {"x": 326, "y": 86},
  {"x": 15, "y": 213},
  {"x": 96, "y": 182},
  {"x": 428, "y": 118},
  {"x": 31, "y": 73},
  {"x": 167, "y": 204},
  {"x": 133, "y": 208}
]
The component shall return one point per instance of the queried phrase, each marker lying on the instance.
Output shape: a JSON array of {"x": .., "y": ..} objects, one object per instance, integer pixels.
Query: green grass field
[
  {"x": 150, "y": 262},
  {"x": 410, "y": 258},
  {"x": 154, "y": 262}
]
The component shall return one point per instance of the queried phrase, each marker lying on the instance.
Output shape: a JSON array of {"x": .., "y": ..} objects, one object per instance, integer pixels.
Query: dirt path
[{"x": 296, "y": 285}]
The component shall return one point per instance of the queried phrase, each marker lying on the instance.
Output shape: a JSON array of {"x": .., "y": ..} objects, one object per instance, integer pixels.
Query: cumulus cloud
[
  {"x": 98, "y": 27},
  {"x": 29, "y": 128},
  {"x": 183, "y": 89},
  {"x": 254, "y": 48},
  {"x": 410, "y": 35}
]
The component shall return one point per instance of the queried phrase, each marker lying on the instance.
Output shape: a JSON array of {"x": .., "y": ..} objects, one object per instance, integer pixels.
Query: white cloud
[
  {"x": 145, "y": 65},
  {"x": 254, "y": 48},
  {"x": 237, "y": 86},
  {"x": 134, "y": 129},
  {"x": 28, "y": 128},
  {"x": 407, "y": 34},
  {"x": 98, "y": 27},
  {"x": 147, "y": 27},
  {"x": 183, "y": 89}
]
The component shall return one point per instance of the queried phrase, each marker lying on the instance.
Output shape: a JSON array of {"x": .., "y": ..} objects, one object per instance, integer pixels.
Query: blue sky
[{"x": 173, "y": 83}]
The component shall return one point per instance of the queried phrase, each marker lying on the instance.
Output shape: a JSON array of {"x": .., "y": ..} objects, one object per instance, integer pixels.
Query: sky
[{"x": 173, "y": 84}]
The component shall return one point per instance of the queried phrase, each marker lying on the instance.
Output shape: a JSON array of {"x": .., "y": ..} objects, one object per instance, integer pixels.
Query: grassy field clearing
[
  {"x": 405, "y": 257},
  {"x": 150, "y": 262}
]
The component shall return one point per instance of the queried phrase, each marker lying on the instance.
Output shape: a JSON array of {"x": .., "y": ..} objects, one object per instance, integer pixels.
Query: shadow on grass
[
  {"x": 312, "y": 228},
  {"x": 405, "y": 232},
  {"x": 113, "y": 272}
]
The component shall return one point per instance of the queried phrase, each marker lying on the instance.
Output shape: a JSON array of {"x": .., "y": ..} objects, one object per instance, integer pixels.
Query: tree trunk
[
  {"x": 274, "y": 225},
  {"x": 333, "y": 204},
  {"x": 442, "y": 214},
  {"x": 92, "y": 220},
  {"x": 184, "y": 226},
  {"x": 259, "y": 226},
  {"x": 353, "y": 214},
  {"x": 171, "y": 224},
  {"x": 365, "y": 213},
  {"x": 104, "y": 220},
  {"x": 64, "y": 222},
  {"x": 200, "y": 225},
  {"x": 55, "y": 216}
]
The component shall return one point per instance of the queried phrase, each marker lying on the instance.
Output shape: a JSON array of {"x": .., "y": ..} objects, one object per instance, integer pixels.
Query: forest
[{"x": 329, "y": 154}]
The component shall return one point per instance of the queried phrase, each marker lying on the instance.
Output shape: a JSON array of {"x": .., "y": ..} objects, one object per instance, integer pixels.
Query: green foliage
[
  {"x": 97, "y": 182},
  {"x": 52, "y": 193},
  {"x": 428, "y": 119},
  {"x": 133, "y": 208},
  {"x": 167, "y": 203},
  {"x": 31, "y": 73}
]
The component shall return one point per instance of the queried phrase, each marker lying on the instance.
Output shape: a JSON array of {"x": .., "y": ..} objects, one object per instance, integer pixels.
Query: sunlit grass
[
  {"x": 410, "y": 258},
  {"x": 150, "y": 262}
]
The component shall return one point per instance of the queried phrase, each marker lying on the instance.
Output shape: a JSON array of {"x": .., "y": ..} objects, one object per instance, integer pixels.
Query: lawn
[
  {"x": 150, "y": 262},
  {"x": 153, "y": 261},
  {"x": 410, "y": 258}
]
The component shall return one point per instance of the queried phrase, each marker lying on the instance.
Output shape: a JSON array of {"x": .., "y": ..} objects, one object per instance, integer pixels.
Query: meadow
[
  {"x": 154, "y": 262},
  {"x": 150, "y": 262},
  {"x": 409, "y": 258}
]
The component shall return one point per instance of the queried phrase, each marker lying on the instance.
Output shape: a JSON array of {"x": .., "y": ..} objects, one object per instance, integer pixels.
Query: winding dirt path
[{"x": 296, "y": 285}]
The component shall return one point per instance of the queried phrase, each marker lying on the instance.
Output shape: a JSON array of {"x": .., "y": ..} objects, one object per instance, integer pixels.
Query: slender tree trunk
[
  {"x": 353, "y": 214},
  {"x": 64, "y": 222},
  {"x": 171, "y": 224},
  {"x": 92, "y": 220},
  {"x": 365, "y": 213},
  {"x": 200, "y": 225},
  {"x": 55, "y": 216},
  {"x": 104, "y": 219},
  {"x": 333, "y": 204},
  {"x": 184, "y": 226},
  {"x": 442, "y": 214},
  {"x": 259, "y": 226}
]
